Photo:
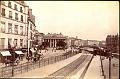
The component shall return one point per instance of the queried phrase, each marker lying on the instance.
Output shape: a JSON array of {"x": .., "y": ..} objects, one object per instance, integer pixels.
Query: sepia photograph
[{"x": 59, "y": 39}]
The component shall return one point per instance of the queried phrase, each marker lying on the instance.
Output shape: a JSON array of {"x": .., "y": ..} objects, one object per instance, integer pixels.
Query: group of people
[{"x": 34, "y": 54}]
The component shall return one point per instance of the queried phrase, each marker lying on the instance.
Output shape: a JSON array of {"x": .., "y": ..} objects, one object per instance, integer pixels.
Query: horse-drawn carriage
[{"x": 34, "y": 55}]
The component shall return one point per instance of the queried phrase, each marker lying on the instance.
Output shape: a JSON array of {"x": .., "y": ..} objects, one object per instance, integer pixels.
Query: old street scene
[{"x": 59, "y": 39}]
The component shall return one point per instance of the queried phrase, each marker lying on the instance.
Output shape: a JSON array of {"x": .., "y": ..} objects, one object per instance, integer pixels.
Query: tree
[
  {"x": 45, "y": 44},
  {"x": 61, "y": 44}
]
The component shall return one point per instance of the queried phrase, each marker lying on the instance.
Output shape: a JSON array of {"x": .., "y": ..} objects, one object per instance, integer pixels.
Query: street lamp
[
  {"x": 110, "y": 55},
  {"x": 28, "y": 47}
]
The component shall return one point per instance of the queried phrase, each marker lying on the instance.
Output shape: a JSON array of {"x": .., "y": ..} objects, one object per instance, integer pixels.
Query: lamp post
[
  {"x": 109, "y": 65},
  {"x": 110, "y": 55},
  {"x": 28, "y": 47}
]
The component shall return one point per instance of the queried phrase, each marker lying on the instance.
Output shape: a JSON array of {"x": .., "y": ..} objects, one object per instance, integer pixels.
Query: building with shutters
[{"x": 13, "y": 22}]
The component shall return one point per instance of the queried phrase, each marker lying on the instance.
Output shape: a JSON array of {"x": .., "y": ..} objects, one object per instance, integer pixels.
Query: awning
[
  {"x": 32, "y": 50},
  {"x": 5, "y": 53},
  {"x": 19, "y": 52}
]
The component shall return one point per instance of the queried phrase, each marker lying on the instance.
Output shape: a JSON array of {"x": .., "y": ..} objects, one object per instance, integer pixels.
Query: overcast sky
[{"x": 88, "y": 20}]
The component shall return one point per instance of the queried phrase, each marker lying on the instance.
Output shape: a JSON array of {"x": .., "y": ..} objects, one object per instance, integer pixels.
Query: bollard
[
  {"x": 21, "y": 68},
  {"x": 12, "y": 69},
  {"x": 44, "y": 62},
  {"x": 27, "y": 66},
  {"x": 48, "y": 61},
  {"x": 2, "y": 71},
  {"x": 55, "y": 59},
  {"x": 39, "y": 63}
]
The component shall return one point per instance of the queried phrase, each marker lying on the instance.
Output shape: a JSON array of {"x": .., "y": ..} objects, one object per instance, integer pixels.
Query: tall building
[
  {"x": 112, "y": 43},
  {"x": 13, "y": 24}
]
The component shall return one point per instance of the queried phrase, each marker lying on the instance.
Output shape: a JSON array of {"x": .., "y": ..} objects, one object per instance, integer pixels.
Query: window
[
  {"x": 25, "y": 30},
  {"x": 16, "y": 29},
  {"x": 30, "y": 26},
  {"x": 15, "y": 7},
  {"x": 9, "y": 42},
  {"x": 9, "y": 4},
  {"x": 21, "y": 9},
  {"x": 16, "y": 16},
  {"x": 2, "y": 43},
  {"x": 22, "y": 18},
  {"x": 9, "y": 27},
  {"x": 15, "y": 42},
  {"x": 3, "y": 12},
  {"x": 30, "y": 35},
  {"x": 3, "y": 2},
  {"x": 10, "y": 14},
  {"x": 2, "y": 28},
  {"x": 21, "y": 42},
  {"x": 21, "y": 30}
]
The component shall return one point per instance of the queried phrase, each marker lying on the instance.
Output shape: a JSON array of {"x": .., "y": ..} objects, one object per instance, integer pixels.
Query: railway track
[{"x": 68, "y": 69}]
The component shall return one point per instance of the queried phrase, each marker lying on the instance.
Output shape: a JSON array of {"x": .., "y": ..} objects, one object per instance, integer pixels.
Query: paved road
[{"x": 71, "y": 68}]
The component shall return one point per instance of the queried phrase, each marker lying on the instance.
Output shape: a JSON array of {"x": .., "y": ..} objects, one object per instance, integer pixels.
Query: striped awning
[{"x": 5, "y": 53}]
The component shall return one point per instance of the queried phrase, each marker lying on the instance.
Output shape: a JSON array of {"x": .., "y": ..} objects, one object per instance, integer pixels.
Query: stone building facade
[
  {"x": 52, "y": 39},
  {"x": 13, "y": 24}
]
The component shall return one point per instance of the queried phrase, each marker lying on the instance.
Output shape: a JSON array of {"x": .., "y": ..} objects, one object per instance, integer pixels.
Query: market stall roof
[
  {"x": 5, "y": 53},
  {"x": 19, "y": 52}
]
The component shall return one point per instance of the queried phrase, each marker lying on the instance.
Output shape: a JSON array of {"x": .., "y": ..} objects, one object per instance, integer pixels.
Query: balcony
[
  {"x": 16, "y": 18},
  {"x": 21, "y": 11},
  {"x": 2, "y": 30},
  {"x": 3, "y": 14},
  {"x": 21, "y": 33},
  {"x": 10, "y": 17}
]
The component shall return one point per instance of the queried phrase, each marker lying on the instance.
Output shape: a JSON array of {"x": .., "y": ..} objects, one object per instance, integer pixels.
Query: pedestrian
[
  {"x": 28, "y": 59},
  {"x": 34, "y": 59}
]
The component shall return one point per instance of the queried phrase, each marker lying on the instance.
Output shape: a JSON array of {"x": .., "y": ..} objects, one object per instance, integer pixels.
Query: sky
[{"x": 92, "y": 20}]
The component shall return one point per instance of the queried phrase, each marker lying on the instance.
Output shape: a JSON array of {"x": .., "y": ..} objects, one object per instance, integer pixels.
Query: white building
[{"x": 13, "y": 24}]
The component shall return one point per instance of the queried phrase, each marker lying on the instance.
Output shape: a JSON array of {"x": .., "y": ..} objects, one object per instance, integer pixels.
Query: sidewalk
[
  {"x": 94, "y": 70},
  {"x": 49, "y": 69},
  {"x": 46, "y": 54},
  {"x": 114, "y": 68}
]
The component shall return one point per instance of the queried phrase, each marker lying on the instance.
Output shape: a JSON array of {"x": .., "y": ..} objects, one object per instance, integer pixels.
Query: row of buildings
[
  {"x": 18, "y": 29},
  {"x": 53, "y": 38},
  {"x": 17, "y": 24}
]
